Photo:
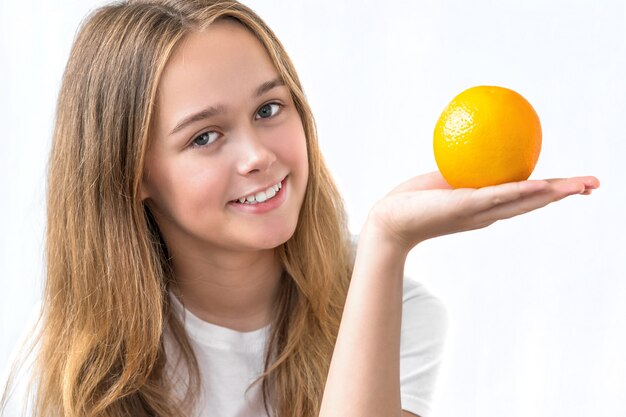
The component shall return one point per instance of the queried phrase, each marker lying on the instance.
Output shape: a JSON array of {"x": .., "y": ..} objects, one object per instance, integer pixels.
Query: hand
[{"x": 426, "y": 206}]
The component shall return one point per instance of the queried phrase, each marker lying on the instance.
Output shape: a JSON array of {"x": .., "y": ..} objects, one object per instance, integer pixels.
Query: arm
[
  {"x": 363, "y": 378},
  {"x": 364, "y": 375}
]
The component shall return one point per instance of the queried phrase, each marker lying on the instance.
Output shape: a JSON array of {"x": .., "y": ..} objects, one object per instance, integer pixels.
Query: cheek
[
  {"x": 294, "y": 145},
  {"x": 185, "y": 186}
]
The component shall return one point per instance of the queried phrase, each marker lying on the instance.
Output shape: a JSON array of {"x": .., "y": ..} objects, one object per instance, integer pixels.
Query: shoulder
[
  {"x": 423, "y": 312},
  {"x": 422, "y": 342}
]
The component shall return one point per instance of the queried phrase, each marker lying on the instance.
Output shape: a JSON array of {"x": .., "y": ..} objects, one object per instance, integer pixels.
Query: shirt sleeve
[{"x": 423, "y": 333}]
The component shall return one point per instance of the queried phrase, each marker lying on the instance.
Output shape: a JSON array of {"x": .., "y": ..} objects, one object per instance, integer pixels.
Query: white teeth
[{"x": 261, "y": 196}]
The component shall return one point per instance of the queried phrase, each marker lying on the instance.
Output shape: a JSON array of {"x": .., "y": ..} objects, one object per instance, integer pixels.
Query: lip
[
  {"x": 258, "y": 189},
  {"x": 267, "y": 205}
]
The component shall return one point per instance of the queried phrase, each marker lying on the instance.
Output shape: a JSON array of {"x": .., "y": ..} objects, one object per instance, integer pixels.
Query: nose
[{"x": 255, "y": 155}]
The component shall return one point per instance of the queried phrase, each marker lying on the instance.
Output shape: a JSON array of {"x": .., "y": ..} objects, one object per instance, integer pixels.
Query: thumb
[{"x": 430, "y": 181}]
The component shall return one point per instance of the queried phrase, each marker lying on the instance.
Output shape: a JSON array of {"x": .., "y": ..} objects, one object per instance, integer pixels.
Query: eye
[
  {"x": 204, "y": 139},
  {"x": 269, "y": 110}
]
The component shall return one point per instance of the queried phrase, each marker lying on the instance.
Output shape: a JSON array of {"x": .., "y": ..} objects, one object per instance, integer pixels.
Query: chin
[{"x": 273, "y": 240}]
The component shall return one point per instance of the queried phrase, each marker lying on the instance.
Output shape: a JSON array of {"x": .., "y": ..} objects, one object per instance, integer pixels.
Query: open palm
[{"x": 426, "y": 206}]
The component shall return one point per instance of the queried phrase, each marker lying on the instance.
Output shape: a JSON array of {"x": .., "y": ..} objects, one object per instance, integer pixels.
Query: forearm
[{"x": 364, "y": 375}]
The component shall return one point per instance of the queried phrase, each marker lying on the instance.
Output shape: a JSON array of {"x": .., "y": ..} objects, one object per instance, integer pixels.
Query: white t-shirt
[{"x": 230, "y": 360}]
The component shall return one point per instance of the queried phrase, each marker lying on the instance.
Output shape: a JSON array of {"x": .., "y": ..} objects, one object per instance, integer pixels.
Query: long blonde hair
[{"x": 106, "y": 306}]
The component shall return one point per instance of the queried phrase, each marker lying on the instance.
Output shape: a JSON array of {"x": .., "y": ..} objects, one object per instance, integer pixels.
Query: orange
[{"x": 486, "y": 136}]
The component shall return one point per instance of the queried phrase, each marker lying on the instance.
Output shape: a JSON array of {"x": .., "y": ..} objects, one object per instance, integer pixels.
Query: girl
[{"x": 198, "y": 259}]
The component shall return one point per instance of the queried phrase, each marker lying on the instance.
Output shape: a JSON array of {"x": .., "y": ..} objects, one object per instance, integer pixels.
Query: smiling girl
[{"x": 198, "y": 258}]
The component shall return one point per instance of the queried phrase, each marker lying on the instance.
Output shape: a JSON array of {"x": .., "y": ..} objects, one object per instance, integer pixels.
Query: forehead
[{"x": 218, "y": 65}]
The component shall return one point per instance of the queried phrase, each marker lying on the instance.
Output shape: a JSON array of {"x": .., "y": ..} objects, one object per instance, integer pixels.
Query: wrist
[
  {"x": 378, "y": 257},
  {"x": 378, "y": 235}
]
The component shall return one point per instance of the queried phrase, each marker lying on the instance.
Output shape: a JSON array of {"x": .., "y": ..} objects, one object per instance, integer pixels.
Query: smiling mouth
[{"x": 261, "y": 196}]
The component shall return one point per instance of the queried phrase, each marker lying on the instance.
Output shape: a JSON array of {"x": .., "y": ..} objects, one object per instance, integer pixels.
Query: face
[{"x": 225, "y": 129}]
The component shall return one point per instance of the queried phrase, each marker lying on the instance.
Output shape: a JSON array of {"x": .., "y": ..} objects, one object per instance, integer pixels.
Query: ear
[
  {"x": 144, "y": 188},
  {"x": 143, "y": 195}
]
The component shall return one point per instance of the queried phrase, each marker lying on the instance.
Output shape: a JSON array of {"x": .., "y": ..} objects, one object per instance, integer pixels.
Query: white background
[{"x": 536, "y": 303}]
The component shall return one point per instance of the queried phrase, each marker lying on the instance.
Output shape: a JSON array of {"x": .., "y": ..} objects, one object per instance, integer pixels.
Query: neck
[{"x": 236, "y": 291}]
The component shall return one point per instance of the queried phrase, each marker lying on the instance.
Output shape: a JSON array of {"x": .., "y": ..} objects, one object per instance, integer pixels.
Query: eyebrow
[{"x": 218, "y": 109}]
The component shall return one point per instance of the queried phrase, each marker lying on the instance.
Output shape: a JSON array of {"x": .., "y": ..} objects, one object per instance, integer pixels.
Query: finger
[
  {"x": 557, "y": 190},
  {"x": 487, "y": 198},
  {"x": 590, "y": 182}
]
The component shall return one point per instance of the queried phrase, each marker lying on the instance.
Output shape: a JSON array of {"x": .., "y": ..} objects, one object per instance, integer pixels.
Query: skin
[{"x": 223, "y": 259}]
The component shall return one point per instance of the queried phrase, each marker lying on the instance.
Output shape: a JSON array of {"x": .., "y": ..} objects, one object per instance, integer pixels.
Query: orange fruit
[{"x": 487, "y": 135}]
